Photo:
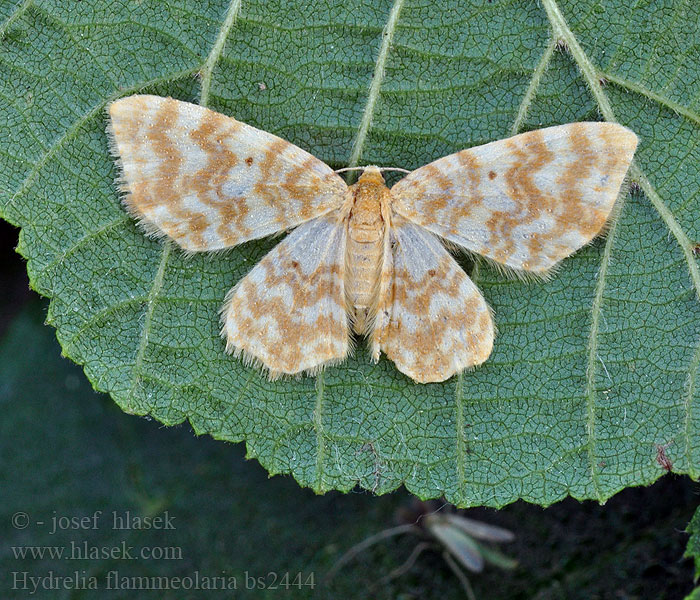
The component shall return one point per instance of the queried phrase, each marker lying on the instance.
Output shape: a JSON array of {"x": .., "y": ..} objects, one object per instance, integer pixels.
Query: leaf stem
[{"x": 367, "y": 543}]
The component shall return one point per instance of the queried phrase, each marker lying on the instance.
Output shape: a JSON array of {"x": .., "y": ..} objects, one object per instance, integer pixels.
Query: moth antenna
[{"x": 343, "y": 170}]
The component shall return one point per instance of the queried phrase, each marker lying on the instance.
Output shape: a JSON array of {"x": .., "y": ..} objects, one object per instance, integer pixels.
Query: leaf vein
[
  {"x": 74, "y": 129},
  {"x": 689, "y": 397},
  {"x": 533, "y": 86},
  {"x": 320, "y": 432},
  {"x": 208, "y": 68},
  {"x": 88, "y": 237},
  {"x": 461, "y": 450},
  {"x": 375, "y": 86},
  {"x": 68, "y": 343},
  {"x": 148, "y": 316},
  {"x": 66, "y": 30},
  {"x": 16, "y": 15},
  {"x": 638, "y": 88}
]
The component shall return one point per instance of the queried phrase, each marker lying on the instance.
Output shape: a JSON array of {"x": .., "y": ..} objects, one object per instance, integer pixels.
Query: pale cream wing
[
  {"x": 208, "y": 181},
  {"x": 288, "y": 314},
  {"x": 527, "y": 201},
  {"x": 434, "y": 322}
]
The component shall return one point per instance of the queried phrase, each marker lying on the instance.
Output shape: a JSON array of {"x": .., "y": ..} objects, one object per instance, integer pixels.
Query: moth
[{"x": 363, "y": 258}]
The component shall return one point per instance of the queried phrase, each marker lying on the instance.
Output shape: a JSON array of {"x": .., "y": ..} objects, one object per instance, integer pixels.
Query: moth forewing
[
  {"x": 525, "y": 202},
  {"x": 208, "y": 181}
]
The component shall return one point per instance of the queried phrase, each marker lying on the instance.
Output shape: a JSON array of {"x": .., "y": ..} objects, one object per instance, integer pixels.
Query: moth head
[{"x": 371, "y": 174}]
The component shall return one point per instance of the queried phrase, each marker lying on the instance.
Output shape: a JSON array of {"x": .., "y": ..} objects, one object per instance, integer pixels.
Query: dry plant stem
[
  {"x": 460, "y": 575},
  {"x": 407, "y": 564},
  {"x": 366, "y": 543}
]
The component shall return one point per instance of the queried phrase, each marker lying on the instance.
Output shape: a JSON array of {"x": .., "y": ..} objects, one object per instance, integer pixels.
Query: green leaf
[
  {"x": 693, "y": 549},
  {"x": 591, "y": 372}
]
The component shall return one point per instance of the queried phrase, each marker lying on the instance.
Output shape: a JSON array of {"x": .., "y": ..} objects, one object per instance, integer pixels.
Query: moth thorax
[{"x": 366, "y": 231}]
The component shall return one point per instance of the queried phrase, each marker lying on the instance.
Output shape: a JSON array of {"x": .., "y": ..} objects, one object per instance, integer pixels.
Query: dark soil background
[{"x": 67, "y": 451}]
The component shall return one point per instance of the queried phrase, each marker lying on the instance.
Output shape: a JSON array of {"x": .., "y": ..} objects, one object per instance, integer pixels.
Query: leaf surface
[
  {"x": 693, "y": 549},
  {"x": 591, "y": 371}
]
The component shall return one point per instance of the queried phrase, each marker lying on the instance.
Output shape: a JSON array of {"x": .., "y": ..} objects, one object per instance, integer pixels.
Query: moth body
[{"x": 367, "y": 228}]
